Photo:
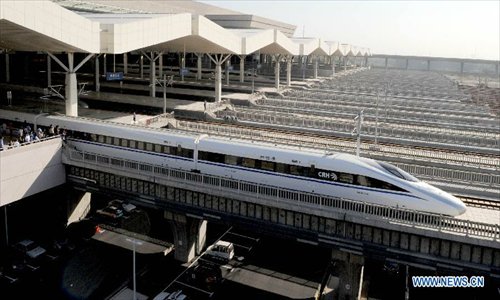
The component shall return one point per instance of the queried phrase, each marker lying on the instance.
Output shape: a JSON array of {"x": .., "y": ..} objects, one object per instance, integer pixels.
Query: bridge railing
[{"x": 281, "y": 195}]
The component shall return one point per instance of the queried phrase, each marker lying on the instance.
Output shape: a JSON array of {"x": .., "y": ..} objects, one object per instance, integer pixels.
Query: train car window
[
  {"x": 149, "y": 147},
  {"x": 166, "y": 149},
  {"x": 346, "y": 178},
  {"x": 384, "y": 185},
  {"x": 116, "y": 141},
  {"x": 306, "y": 171},
  {"x": 100, "y": 138},
  {"x": 267, "y": 165},
  {"x": 124, "y": 143},
  {"x": 93, "y": 137},
  {"x": 215, "y": 157},
  {"x": 202, "y": 155},
  {"x": 132, "y": 144},
  {"x": 186, "y": 153},
  {"x": 140, "y": 145},
  {"x": 158, "y": 148},
  {"x": 109, "y": 140},
  {"x": 397, "y": 171},
  {"x": 231, "y": 160},
  {"x": 280, "y": 168},
  {"x": 248, "y": 162},
  {"x": 296, "y": 170},
  {"x": 173, "y": 150},
  {"x": 362, "y": 180}
]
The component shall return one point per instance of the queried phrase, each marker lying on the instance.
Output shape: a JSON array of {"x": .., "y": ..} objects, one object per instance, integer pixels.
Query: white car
[
  {"x": 221, "y": 249},
  {"x": 29, "y": 248}
]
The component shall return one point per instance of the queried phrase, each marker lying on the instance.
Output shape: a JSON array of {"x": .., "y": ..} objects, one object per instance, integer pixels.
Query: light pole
[
  {"x": 253, "y": 76},
  {"x": 134, "y": 242},
  {"x": 376, "y": 122},
  {"x": 357, "y": 129}
]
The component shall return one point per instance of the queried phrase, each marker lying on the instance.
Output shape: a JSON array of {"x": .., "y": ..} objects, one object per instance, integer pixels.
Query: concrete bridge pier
[
  {"x": 77, "y": 206},
  {"x": 348, "y": 268},
  {"x": 189, "y": 235}
]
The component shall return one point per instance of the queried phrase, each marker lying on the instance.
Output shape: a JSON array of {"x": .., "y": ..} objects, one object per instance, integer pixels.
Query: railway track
[{"x": 481, "y": 203}]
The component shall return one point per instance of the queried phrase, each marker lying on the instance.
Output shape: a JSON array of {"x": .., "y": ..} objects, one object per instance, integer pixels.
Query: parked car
[
  {"x": 128, "y": 207},
  {"x": 29, "y": 248},
  {"x": 111, "y": 211},
  {"x": 221, "y": 250}
]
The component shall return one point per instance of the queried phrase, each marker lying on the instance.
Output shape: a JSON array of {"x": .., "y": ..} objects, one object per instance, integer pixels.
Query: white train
[{"x": 338, "y": 174}]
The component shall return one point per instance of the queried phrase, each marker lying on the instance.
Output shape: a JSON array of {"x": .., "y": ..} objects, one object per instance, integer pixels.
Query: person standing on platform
[
  {"x": 134, "y": 118},
  {"x": 205, "y": 105}
]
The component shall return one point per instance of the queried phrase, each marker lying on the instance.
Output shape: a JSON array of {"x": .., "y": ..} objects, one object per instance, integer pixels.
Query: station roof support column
[
  {"x": 315, "y": 59},
  {"x": 97, "y": 76},
  {"x": 7, "y": 67},
  {"x": 152, "y": 72},
  {"x": 141, "y": 66},
  {"x": 333, "y": 65},
  {"x": 198, "y": 65},
  {"x": 277, "y": 58},
  {"x": 345, "y": 63},
  {"x": 242, "y": 68},
  {"x": 228, "y": 65},
  {"x": 160, "y": 65},
  {"x": 49, "y": 71},
  {"x": 288, "y": 60},
  {"x": 71, "y": 83},
  {"x": 218, "y": 60},
  {"x": 125, "y": 63}
]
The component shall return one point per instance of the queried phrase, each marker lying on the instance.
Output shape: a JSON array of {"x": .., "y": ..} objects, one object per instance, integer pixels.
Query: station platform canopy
[
  {"x": 121, "y": 33},
  {"x": 98, "y": 27},
  {"x": 346, "y": 50},
  {"x": 267, "y": 41},
  {"x": 46, "y": 26},
  {"x": 334, "y": 48},
  {"x": 311, "y": 46}
]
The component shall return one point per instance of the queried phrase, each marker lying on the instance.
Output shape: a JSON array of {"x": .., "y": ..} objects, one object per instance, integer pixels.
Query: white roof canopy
[{"x": 46, "y": 26}]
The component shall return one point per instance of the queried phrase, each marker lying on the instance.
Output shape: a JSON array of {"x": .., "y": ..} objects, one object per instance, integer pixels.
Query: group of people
[{"x": 12, "y": 136}]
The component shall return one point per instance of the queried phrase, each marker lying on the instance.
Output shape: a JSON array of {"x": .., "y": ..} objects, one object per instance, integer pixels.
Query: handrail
[{"x": 277, "y": 194}]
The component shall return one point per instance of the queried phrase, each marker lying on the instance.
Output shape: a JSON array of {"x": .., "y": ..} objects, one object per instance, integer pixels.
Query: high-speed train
[{"x": 338, "y": 174}]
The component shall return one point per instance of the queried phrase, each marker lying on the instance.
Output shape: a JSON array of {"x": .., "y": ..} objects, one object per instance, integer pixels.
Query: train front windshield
[{"x": 397, "y": 172}]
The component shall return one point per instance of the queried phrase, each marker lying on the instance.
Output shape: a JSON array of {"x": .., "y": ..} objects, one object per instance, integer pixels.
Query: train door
[{"x": 195, "y": 152}]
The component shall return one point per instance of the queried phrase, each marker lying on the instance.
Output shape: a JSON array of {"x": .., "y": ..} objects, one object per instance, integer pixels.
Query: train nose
[
  {"x": 460, "y": 207},
  {"x": 456, "y": 205}
]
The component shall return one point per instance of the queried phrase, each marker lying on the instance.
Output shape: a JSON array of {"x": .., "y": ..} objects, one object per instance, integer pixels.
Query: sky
[{"x": 462, "y": 29}]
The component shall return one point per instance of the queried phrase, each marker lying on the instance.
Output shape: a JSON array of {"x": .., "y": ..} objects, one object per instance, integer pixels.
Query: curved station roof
[{"x": 169, "y": 26}]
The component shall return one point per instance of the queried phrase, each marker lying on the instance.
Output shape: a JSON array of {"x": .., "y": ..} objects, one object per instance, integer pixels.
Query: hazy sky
[{"x": 465, "y": 29}]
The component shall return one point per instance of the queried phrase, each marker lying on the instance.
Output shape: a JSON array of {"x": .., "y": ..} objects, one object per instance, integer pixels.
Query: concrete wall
[
  {"x": 30, "y": 169},
  {"x": 436, "y": 65}
]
